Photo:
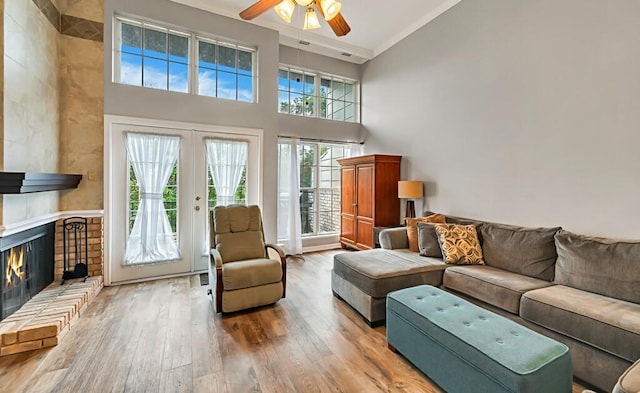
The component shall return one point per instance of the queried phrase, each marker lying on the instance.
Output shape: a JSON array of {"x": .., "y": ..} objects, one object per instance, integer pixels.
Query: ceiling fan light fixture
[
  {"x": 285, "y": 10},
  {"x": 311, "y": 20},
  {"x": 304, "y": 3},
  {"x": 330, "y": 8}
]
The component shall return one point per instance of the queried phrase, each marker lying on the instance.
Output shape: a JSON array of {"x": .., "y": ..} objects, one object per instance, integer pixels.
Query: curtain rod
[{"x": 320, "y": 140}]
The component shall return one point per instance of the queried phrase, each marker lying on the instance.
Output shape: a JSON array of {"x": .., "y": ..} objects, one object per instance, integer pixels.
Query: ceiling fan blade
[
  {"x": 258, "y": 8},
  {"x": 339, "y": 25}
]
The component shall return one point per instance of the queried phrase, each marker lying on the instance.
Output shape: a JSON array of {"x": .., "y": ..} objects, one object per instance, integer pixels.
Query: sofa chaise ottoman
[{"x": 363, "y": 279}]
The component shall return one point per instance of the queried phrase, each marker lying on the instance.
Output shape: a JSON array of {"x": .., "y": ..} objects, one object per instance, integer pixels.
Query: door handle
[{"x": 355, "y": 205}]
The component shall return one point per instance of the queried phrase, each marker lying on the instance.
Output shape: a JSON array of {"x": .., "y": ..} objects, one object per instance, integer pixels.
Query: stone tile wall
[{"x": 30, "y": 127}]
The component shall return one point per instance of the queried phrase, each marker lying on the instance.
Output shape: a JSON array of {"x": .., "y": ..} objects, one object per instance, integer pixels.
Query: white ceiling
[{"x": 376, "y": 25}]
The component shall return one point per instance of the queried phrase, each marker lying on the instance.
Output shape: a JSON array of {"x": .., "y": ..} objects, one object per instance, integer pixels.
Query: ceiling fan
[{"x": 329, "y": 9}]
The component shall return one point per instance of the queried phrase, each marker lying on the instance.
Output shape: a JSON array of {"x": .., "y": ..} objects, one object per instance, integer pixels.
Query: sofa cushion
[
  {"x": 459, "y": 244},
  {"x": 412, "y": 228},
  {"x": 377, "y": 272},
  {"x": 428, "y": 240},
  {"x": 497, "y": 287},
  {"x": 604, "y": 266},
  {"x": 528, "y": 251},
  {"x": 606, "y": 323}
]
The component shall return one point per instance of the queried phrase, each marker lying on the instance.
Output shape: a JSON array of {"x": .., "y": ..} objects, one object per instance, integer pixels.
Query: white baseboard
[{"x": 321, "y": 247}]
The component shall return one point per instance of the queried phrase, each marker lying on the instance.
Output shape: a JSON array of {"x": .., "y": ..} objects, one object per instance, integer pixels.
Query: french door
[{"x": 187, "y": 198}]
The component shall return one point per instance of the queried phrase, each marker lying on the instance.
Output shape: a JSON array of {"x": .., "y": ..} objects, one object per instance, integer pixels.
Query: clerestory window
[{"x": 313, "y": 94}]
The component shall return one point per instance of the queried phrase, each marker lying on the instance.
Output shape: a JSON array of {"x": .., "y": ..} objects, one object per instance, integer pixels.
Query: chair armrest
[
  {"x": 276, "y": 248},
  {"x": 216, "y": 257},
  {"x": 283, "y": 262},
  {"x": 394, "y": 238}
]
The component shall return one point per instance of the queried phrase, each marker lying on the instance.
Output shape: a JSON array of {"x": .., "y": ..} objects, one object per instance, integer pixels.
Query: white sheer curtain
[
  {"x": 289, "y": 222},
  {"x": 153, "y": 158},
  {"x": 227, "y": 160},
  {"x": 353, "y": 150}
]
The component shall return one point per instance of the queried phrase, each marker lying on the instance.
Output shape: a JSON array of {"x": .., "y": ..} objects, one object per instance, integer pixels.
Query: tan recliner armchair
[{"x": 240, "y": 269}]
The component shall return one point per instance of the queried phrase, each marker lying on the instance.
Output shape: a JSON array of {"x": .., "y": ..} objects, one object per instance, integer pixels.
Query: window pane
[
  {"x": 206, "y": 54},
  {"x": 307, "y": 211},
  {"x": 348, "y": 112},
  {"x": 295, "y": 82},
  {"x": 309, "y": 84},
  {"x": 207, "y": 82},
  {"x": 227, "y": 85},
  {"x": 178, "y": 48},
  {"x": 325, "y": 87},
  {"x": 337, "y": 90},
  {"x": 245, "y": 62},
  {"x": 245, "y": 88},
  {"x": 131, "y": 38},
  {"x": 155, "y": 43},
  {"x": 296, "y": 104},
  {"x": 283, "y": 102},
  {"x": 155, "y": 73},
  {"x": 227, "y": 58},
  {"x": 329, "y": 108},
  {"x": 178, "y": 77},
  {"x": 308, "y": 105},
  {"x": 283, "y": 79},
  {"x": 131, "y": 69},
  {"x": 348, "y": 92}
]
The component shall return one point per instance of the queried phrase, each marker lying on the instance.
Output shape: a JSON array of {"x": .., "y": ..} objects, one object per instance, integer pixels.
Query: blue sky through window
[{"x": 156, "y": 58}]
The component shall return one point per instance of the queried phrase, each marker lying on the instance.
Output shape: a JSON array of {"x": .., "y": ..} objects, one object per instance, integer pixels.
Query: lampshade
[
  {"x": 304, "y": 3},
  {"x": 330, "y": 8},
  {"x": 311, "y": 20},
  {"x": 410, "y": 189},
  {"x": 285, "y": 10}
]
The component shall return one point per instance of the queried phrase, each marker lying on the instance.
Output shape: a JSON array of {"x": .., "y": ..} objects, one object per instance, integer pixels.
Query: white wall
[
  {"x": 523, "y": 112},
  {"x": 155, "y": 104}
]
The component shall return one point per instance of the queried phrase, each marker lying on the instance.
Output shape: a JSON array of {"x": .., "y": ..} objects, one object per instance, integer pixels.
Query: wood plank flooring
[{"x": 163, "y": 336}]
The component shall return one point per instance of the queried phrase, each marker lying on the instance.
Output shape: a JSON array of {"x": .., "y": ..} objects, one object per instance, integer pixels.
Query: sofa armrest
[{"x": 393, "y": 238}]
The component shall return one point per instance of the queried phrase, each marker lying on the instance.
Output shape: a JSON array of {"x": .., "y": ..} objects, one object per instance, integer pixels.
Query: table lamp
[{"x": 410, "y": 189}]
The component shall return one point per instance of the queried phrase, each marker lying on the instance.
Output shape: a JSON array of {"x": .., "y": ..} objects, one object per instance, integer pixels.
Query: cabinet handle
[{"x": 355, "y": 205}]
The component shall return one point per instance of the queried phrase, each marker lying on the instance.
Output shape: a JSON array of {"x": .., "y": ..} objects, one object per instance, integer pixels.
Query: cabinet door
[
  {"x": 347, "y": 208},
  {"x": 364, "y": 191}
]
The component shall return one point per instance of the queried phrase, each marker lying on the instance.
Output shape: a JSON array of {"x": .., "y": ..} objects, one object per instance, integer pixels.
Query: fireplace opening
[{"x": 27, "y": 261}]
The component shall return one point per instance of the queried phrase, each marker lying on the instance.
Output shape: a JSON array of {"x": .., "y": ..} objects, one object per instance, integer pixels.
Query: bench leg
[{"x": 392, "y": 348}]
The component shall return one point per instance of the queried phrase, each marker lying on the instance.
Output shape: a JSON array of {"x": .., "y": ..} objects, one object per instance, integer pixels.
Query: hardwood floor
[{"x": 163, "y": 336}]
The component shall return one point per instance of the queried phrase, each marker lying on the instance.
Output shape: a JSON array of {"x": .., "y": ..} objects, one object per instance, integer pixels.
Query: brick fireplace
[{"x": 36, "y": 310}]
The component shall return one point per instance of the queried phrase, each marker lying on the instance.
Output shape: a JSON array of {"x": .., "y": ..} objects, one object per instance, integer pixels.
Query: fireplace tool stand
[{"x": 75, "y": 248}]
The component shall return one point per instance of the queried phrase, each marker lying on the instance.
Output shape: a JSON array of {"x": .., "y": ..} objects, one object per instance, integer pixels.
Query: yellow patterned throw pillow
[{"x": 459, "y": 244}]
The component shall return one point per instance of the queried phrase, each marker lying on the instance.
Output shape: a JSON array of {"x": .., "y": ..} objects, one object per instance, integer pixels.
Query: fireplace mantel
[{"x": 26, "y": 182}]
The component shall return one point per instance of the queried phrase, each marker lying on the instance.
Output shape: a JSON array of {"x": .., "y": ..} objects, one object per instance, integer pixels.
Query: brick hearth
[{"x": 45, "y": 319}]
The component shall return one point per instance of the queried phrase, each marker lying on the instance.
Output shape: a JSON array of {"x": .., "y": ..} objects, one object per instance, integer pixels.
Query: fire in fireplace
[{"x": 27, "y": 260}]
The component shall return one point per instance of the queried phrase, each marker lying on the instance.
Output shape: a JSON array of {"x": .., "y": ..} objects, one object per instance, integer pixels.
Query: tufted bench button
[
  {"x": 500, "y": 341},
  {"x": 482, "y": 318},
  {"x": 467, "y": 324},
  {"x": 515, "y": 334},
  {"x": 420, "y": 297},
  {"x": 440, "y": 309}
]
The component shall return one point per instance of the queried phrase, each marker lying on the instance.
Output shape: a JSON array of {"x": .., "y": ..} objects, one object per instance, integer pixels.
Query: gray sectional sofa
[{"x": 582, "y": 291}]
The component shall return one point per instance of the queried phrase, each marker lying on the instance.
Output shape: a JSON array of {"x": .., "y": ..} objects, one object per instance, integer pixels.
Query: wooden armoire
[{"x": 369, "y": 193}]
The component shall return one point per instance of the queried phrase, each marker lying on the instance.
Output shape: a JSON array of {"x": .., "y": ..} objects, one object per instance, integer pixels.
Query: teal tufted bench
[{"x": 465, "y": 348}]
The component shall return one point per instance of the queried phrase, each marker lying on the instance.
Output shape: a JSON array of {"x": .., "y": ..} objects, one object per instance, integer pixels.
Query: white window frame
[
  {"x": 192, "y": 60},
  {"x": 317, "y": 84}
]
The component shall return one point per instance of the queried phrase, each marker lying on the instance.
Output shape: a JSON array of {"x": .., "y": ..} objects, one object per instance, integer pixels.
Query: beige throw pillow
[
  {"x": 459, "y": 244},
  {"x": 412, "y": 228}
]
